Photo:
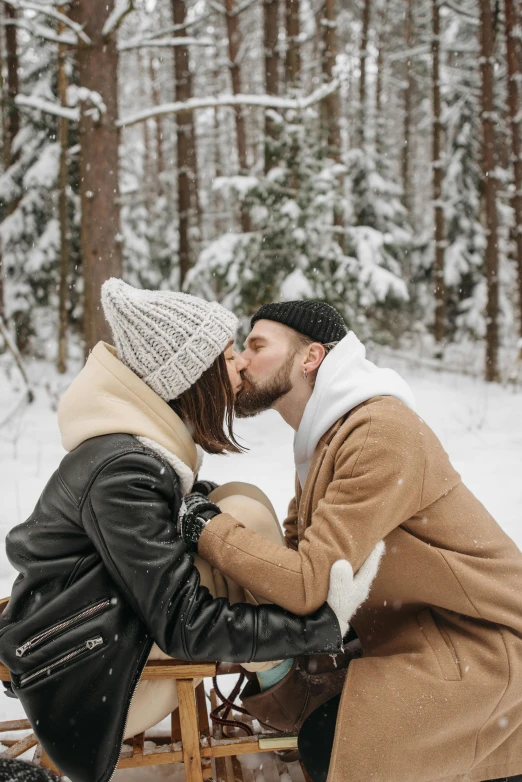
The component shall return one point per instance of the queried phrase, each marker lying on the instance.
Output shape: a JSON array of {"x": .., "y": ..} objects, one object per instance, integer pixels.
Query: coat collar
[
  {"x": 107, "y": 398},
  {"x": 305, "y": 504}
]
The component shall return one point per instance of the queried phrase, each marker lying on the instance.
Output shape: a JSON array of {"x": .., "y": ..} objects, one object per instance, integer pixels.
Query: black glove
[
  {"x": 204, "y": 487},
  {"x": 195, "y": 515}
]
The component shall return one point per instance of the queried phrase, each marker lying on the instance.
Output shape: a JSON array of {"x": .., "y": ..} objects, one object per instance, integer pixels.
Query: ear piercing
[{"x": 305, "y": 374}]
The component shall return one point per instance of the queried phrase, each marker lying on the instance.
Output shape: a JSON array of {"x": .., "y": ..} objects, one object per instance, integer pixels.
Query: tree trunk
[
  {"x": 490, "y": 186},
  {"x": 5, "y": 160},
  {"x": 63, "y": 133},
  {"x": 381, "y": 48},
  {"x": 438, "y": 175},
  {"x": 13, "y": 115},
  {"x": 271, "y": 31},
  {"x": 331, "y": 102},
  {"x": 235, "y": 74},
  {"x": 148, "y": 181},
  {"x": 186, "y": 146},
  {"x": 330, "y": 106},
  {"x": 100, "y": 238},
  {"x": 293, "y": 53},
  {"x": 408, "y": 102},
  {"x": 362, "y": 81},
  {"x": 156, "y": 99},
  {"x": 515, "y": 76}
]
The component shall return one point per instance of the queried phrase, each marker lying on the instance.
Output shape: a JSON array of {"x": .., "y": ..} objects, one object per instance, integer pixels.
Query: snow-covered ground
[{"x": 480, "y": 426}]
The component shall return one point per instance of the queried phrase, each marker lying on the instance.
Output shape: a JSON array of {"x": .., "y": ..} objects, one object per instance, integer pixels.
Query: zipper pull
[
  {"x": 92, "y": 643},
  {"x": 22, "y": 649}
]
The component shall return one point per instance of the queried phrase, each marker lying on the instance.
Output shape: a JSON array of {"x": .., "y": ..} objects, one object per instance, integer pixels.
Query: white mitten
[{"x": 347, "y": 592}]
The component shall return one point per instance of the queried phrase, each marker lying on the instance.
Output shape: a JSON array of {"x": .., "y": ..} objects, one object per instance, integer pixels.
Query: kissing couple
[{"x": 131, "y": 554}]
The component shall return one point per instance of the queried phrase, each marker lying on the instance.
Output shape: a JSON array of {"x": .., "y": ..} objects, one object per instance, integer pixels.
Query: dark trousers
[{"x": 316, "y": 739}]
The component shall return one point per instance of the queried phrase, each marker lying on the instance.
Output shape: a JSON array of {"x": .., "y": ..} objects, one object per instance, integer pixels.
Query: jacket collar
[{"x": 108, "y": 398}]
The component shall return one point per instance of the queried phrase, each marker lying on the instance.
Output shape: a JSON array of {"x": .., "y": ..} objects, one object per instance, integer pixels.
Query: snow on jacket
[{"x": 436, "y": 696}]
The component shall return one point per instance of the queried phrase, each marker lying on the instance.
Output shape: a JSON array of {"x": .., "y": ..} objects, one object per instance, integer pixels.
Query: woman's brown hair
[{"x": 207, "y": 409}]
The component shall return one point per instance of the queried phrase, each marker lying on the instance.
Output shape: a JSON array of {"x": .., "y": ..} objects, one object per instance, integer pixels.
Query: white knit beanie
[{"x": 167, "y": 338}]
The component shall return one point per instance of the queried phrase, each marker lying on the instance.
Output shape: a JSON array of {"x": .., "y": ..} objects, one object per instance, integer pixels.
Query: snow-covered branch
[
  {"x": 243, "y": 7},
  {"x": 263, "y": 101},
  {"x": 460, "y": 11},
  {"x": 141, "y": 43},
  {"x": 49, "y": 10},
  {"x": 48, "y": 106},
  {"x": 47, "y": 33},
  {"x": 114, "y": 20}
]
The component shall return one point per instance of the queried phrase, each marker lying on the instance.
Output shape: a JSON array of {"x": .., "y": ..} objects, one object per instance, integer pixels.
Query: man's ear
[{"x": 314, "y": 357}]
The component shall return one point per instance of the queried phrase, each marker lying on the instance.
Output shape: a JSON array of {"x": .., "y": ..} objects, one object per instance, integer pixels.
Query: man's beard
[{"x": 256, "y": 399}]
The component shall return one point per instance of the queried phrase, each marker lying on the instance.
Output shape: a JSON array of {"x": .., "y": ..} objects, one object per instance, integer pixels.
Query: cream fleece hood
[
  {"x": 345, "y": 379},
  {"x": 108, "y": 398}
]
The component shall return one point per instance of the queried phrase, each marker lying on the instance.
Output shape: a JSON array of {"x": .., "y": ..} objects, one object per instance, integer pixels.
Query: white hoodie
[{"x": 345, "y": 379}]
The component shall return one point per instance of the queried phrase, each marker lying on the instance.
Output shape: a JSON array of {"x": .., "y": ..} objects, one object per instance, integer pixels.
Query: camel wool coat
[{"x": 437, "y": 695}]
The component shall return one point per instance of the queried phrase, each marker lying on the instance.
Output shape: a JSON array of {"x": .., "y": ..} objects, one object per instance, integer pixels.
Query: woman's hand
[
  {"x": 347, "y": 592},
  {"x": 196, "y": 511}
]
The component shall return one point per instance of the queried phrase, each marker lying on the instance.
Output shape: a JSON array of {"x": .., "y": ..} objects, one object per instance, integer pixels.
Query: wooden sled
[{"x": 205, "y": 752}]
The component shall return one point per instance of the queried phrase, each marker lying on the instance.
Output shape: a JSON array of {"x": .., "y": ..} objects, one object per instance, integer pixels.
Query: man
[{"x": 436, "y": 695}]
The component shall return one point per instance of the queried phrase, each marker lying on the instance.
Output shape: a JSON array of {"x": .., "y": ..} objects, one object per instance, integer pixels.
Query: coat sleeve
[
  {"x": 290, "y": 525},
  {"x": 130, "y": 514},
  {"x": 377, "y": 485}
]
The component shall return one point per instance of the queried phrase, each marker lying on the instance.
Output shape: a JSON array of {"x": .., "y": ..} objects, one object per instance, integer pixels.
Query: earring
[{"x": 305, "y": 374}]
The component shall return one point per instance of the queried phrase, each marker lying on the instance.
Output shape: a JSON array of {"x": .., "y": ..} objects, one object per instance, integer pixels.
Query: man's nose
[{"x": 242, "y": 362}]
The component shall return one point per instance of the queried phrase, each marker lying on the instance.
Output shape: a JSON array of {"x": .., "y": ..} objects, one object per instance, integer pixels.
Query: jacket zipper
[
  {"x": 86, "y": 646},
  {"x": 114, "y": 770},
  {"x": 55, "y": 629}
]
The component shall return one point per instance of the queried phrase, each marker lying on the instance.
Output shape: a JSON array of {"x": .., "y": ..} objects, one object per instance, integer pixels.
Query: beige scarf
[{"x": 108, "y": 398}]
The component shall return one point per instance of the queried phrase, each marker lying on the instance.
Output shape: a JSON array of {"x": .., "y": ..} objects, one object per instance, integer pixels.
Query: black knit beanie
[{"x": 316, "y": 319}]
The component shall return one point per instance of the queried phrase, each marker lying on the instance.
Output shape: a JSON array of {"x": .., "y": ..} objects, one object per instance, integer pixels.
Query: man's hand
[
  {"x": 347, "y": 592},
  {"x": 196, "y": 512}
]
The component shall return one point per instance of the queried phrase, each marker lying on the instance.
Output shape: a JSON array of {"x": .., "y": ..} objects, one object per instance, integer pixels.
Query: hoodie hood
[
  {"x": 345, "y": 379},
  {"x": 108, "y": 398}
]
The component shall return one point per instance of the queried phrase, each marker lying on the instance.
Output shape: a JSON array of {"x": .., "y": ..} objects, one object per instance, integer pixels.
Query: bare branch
[
  {"x": 141, "y": 43},
  {"x": 11, "y": 346},
  {"x": 266, "y": 101},
  {"x": 49, "y": 10}
]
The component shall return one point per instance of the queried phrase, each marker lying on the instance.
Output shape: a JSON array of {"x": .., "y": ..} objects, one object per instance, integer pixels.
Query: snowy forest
[{"x": 366, "y": 153}]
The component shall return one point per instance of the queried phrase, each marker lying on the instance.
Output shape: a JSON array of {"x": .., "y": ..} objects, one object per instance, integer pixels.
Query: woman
[{"x": 103, "y": 571}]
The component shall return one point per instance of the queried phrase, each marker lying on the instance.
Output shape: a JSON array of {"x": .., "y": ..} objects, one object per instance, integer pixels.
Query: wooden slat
[
  {"x": 151, "y": 759},
  {"x": 46, "y": 762},
  {"x": 164, "y": 669},
  {"x": 137, "y": 744},
  {"x": 217, "y": 732},
  {"x": 237, "y": 770},
  {"x": 158, "y": 669},
  {"x": 201, "y": 702},
  {"x": 15, "y": 725},
  {"x": 245, "y": 747},
  {"x": 20, "y": 747},
  {"x": 175, "y": 726},
  {"x": 189, "y": 730}
]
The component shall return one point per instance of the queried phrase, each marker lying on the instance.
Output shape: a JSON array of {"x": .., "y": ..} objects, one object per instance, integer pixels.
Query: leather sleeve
[{"x": 130, "y": 515}]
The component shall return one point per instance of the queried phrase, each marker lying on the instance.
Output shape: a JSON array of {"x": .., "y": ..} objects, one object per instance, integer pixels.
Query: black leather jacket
[{"x": 103, "y": 574}]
